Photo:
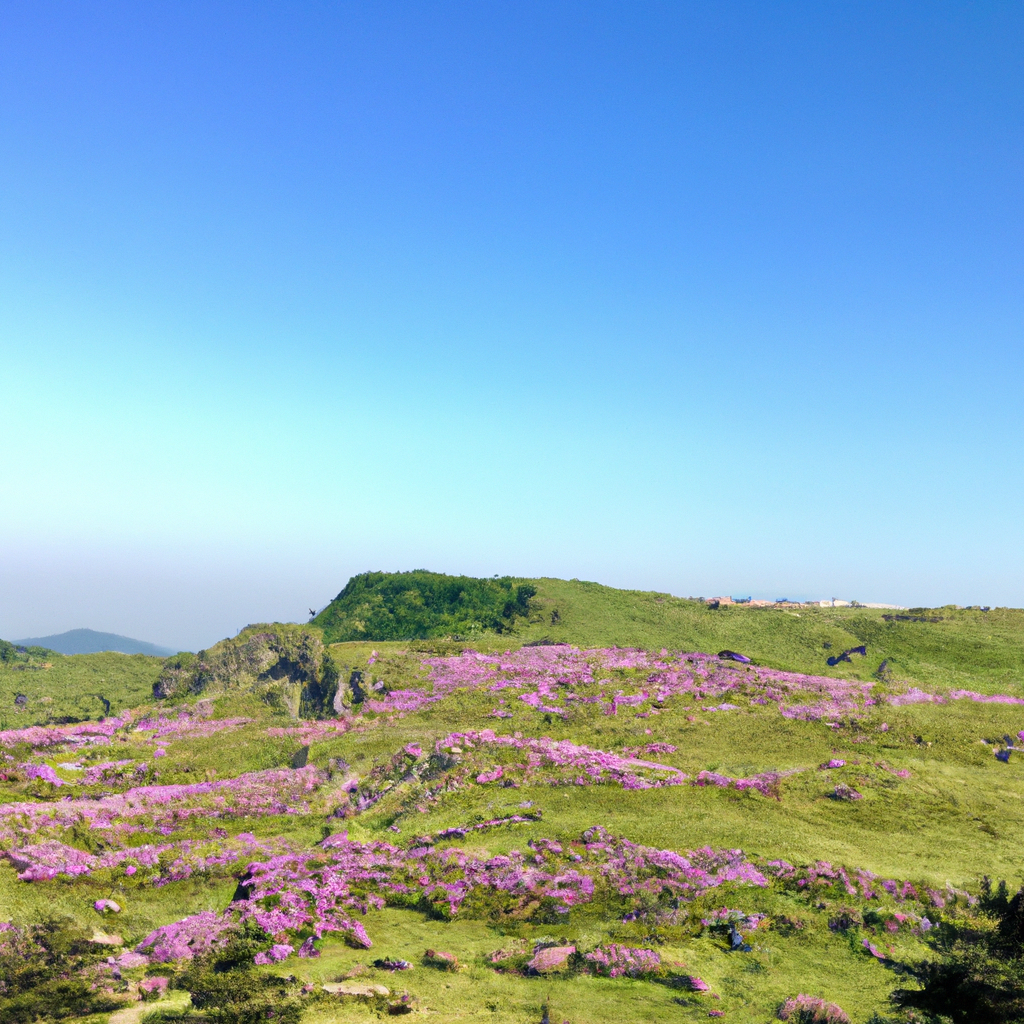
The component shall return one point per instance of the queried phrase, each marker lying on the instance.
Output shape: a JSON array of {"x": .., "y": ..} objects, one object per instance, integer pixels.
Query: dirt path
[{"x": 133, "y": 1014}]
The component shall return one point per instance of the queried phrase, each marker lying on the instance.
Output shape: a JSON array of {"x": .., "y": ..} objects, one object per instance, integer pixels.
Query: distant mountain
[{"x": 88, "y": 641}]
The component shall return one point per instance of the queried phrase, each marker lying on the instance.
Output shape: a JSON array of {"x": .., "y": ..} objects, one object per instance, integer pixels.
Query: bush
[
  {"x": 979, "y": 976},
  {"x": 226, "y": 988},
  {"x": 421, "y": 605},
  {"x": 38, "y": 968},
  {"x": 803, "y": 1009}
]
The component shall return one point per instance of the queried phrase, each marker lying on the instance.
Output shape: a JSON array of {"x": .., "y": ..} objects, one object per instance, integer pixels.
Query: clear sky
[{"x": 713, "y": 298}]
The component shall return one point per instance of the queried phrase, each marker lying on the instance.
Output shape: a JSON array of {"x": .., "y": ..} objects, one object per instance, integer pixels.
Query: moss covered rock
[{"x": 285, "y": 665}]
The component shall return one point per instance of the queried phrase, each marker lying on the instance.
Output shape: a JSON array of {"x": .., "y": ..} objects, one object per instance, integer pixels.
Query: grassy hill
[
  {"x": 941, "y": 646},
  {"x": 444, "y": 788},
  {"x": 944, "y": 646},
  {"x": 421, "y": 605},
  {"x": 39, "y": 686}
]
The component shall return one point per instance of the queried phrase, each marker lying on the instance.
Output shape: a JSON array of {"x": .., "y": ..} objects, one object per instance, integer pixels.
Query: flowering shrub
[
  {"x": 276, "y": 953},
  {"x": 766, "y": 783},
  {"x": 81, "y": 733},
  {"x": 162, "y": 809},
  {"x": 49, "y": 859},
  {"x": 187, "y": 938},
  {"x": 169, "y": 862},
  {"x": 41, "y": 771},
  {"x": 555, "y": 679},
  {"x": 312, "y": 732},
  {"x": 913, "y": 695},
  {"x": 129, "y": 960},
  {"x": 458, "y": 831},
  {"x": 321, "y": 889},
  {"x": 822, "y": 874},
  {"x": 153, "y": 988},
  {"x": 845, "y": 792},
  {"x": 613, "y": 961},
  {"x": 809, "y": 1010},
  {"x": 583, "y": 764},
  {"x": 983, "y": 698},
  {"x": 189, "y": 725},
  {"x": 650, "y": 748},
  {"x": 112, "y": 773}
]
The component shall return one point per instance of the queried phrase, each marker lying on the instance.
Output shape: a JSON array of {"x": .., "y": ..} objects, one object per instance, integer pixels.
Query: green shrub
[
  {"x": 421, "y": 605},
  {"x": 228, "y": 990},
  {"x": 38, "y": 968},
  {"x": 978, "y": 977}
]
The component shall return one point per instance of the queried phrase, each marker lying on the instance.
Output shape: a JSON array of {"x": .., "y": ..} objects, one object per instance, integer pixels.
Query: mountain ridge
[{"x": 90, "y": 641}]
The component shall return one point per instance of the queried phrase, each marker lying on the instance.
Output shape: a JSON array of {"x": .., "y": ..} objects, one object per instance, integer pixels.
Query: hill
[
  {"x": 943, "y": 646},
  {"x": 88, "y": 641},
  {"x": 39, "y": 686},
  {"x": 585, "y": 810},
  {"x": 940, "y": 646},
  {"x": 421, "y": 605}
]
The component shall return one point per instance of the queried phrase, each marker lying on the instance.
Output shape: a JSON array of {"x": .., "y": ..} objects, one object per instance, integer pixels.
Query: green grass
[
  {"x": 957, "y": 817},
  {"x": 968, "y": 648},
  {"x": 826, "y": 964},
  {"x": 70, "y": 687}
]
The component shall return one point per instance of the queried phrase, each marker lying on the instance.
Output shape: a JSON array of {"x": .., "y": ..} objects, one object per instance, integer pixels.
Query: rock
[
  {"x": 338, "y": 704},
  {"x": 439, "y": 958},
  {"x": 107, "y": 906},
  {"x": 392, "y": 965},
  {"x": 845, "y": 792},
  {"x": 355, "y": 682},
  {"x": 553, "y": 958},
  {"x": 284, "y": 665},
  {"x": 103, "y": 939},
  {"x": 734, "y": 656},
  {"x": 351, "y": 988},
  {"x": 736, "y": 941}
]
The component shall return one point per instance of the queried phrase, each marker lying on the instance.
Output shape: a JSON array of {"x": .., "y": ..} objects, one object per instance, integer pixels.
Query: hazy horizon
[
  {"x": 705, "y": 299},
  {"x": 196, "y": 626}
]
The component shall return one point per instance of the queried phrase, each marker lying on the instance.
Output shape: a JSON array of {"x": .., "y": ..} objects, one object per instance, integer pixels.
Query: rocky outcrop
[{"x": 285, "y": 665}]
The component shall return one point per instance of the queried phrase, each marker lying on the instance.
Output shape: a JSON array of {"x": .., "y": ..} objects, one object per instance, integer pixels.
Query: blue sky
[{"x": 704, "y": 298}]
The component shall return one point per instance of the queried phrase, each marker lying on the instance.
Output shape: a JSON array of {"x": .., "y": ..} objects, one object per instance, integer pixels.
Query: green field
[{"x": 931, "y": 805}]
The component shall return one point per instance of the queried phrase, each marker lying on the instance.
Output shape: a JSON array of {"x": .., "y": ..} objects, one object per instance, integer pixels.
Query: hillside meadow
[{"x": 601, "y": 806}]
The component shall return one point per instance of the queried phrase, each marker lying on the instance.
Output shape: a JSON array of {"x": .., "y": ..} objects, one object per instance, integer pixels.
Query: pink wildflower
[{"x": 278, "y": 952}]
